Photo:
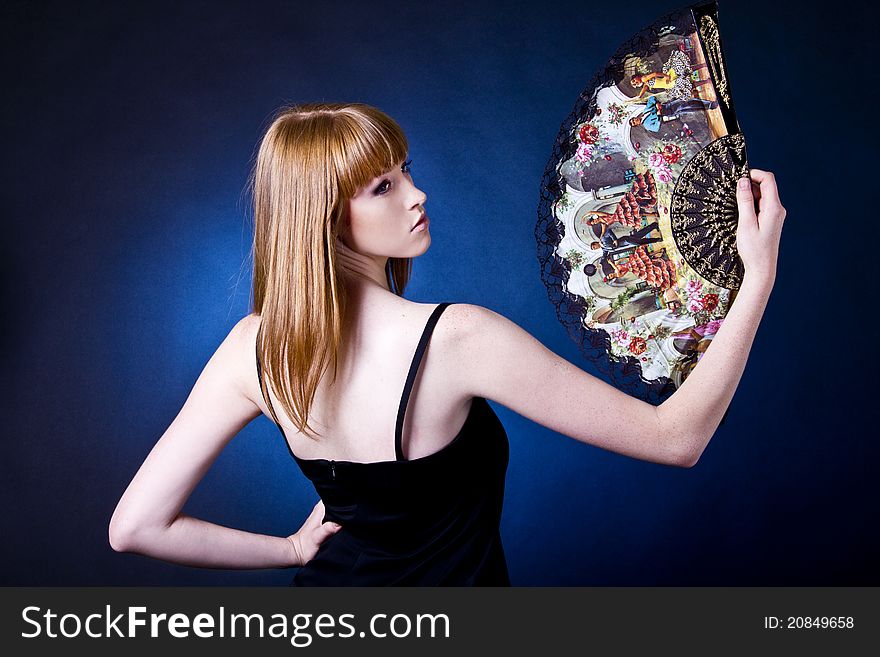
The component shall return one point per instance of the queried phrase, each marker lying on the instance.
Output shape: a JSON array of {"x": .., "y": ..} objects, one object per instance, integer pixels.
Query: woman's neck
[
  {"x": 364, "y": 280},
  {"x": 358, "y": 269}
]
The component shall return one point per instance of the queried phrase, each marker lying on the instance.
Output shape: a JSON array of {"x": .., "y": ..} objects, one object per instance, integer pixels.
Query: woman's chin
[{"x": 426, "y": 243}]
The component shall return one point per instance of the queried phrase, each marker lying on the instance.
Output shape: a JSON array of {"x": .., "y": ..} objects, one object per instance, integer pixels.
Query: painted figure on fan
[
  {"x": 657, "y": 113},
  {"x": 653, "y": 82},
  {"x": 657, "y": 271},
  {"x": 675, "y": 79},
  {"x": 609, "y": 242},
  {"x": 638, "y": 203}
]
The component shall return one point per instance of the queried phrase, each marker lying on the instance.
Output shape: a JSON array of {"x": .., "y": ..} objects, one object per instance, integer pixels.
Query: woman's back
[
  {"x": 426, "y": 520},
  {"x": 356, "y": 414}
]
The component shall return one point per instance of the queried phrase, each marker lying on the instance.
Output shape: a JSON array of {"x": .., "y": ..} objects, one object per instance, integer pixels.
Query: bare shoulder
[
  {"x": 240, "y": 347},
  {"x": 475, "y": 340},
  {"x": 478, "y": 335},
  {"x": 500, "y": 360},
  {"x": 469, "y": 315},
  {"x": 240, "y": 343},
  {"x": 471, "y": 328},
  {"x": 245, "y": 330},
  {"x": 465, "y": 321}
]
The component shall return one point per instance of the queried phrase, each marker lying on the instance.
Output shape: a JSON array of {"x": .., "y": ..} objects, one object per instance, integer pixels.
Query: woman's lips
[{"x": 421, "y": 224}]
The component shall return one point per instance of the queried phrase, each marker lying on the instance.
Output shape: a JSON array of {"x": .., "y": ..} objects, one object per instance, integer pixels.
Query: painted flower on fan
[
  {"x": 620, "y": 336},
  {"x": 694, "y": 305},
  {"x": 712, "y": 327},
  {"x": 671, "y": 153},
  {"x": 588, "y": 133},
  {"x": 693, "y": 287},
  {"x": 616, "y": 114},
  {"x": 638, "y": 345},
  {"x": 584, "y": 153},
  {"x": 661, "y": 169},
  {"x": 710, "y": 302}
]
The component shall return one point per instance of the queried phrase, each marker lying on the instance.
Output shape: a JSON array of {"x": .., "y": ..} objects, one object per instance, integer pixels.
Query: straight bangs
[{"x": 367, "y": 144}]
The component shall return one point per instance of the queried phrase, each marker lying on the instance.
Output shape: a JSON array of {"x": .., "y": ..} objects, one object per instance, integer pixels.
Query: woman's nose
[{"x": 419, "y": 197}]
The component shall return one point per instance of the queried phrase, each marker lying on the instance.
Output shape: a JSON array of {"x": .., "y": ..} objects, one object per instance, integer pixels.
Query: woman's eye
[{"x": 385, "y": 185}]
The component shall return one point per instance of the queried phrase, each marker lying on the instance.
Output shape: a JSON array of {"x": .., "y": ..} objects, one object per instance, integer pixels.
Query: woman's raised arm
[
  {"x": 148, "y": 518},
  {"x": 506, "y": 364}
]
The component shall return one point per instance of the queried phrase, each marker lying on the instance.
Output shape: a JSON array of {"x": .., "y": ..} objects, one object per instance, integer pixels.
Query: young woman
[{"x": 382, "y": 401}]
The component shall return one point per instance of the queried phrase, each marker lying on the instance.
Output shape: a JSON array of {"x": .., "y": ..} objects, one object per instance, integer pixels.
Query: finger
[
  {"x": 745, "y": 202},
  {"x": 769, "y": 191},
  {"x": 772, "y": 214},
  {"x": 756, "y": 190},
  {"x": 314, "y": 519},
  {"x": 327, "y": 529}
]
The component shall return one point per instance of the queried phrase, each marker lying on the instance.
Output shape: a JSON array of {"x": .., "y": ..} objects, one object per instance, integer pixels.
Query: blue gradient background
[{"x": 128, "y": 134}]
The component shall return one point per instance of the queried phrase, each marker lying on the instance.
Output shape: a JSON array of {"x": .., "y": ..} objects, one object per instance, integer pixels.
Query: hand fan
[{"x": 637, "y": 220}]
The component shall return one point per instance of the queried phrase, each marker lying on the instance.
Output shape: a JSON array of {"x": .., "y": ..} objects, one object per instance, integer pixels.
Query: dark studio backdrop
[{"x": 128, "y": 135}]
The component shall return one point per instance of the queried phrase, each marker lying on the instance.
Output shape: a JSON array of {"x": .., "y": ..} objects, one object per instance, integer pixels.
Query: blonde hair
[{"x": 311, "y": 161}]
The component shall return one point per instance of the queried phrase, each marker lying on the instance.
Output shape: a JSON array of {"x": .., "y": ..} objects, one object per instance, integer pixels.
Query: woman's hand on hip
[{"x": 311, "y": 535}]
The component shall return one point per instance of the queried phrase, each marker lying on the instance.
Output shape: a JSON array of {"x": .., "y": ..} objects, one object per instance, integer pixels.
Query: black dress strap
[{"x": 411, "y": 377}]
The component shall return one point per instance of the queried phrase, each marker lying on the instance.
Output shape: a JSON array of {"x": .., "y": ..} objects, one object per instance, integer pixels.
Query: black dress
[{"x": 430, "y": 521}]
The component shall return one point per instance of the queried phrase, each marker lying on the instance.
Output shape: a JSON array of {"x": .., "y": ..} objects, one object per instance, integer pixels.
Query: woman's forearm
[
  {"x": 696, "y": 408},
  {"x": 193, "y": 542}
]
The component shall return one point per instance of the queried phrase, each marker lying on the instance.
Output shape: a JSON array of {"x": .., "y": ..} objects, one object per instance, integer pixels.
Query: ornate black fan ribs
[{"x": 704, "y": 212}]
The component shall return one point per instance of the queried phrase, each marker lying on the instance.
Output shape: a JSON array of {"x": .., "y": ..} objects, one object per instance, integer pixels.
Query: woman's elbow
[
  {"x": 676, "y": 450},
  {"x": 118, "y": 540},
  {"x": 675, "y": 459},
  {"x": 688, "y": 457},
  {"x": 679, "y": 446},
  {"x": 122, "y": 533}
]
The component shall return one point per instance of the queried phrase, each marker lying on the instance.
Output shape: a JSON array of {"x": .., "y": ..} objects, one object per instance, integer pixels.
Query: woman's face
[{"x": 383, "y": 214}]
